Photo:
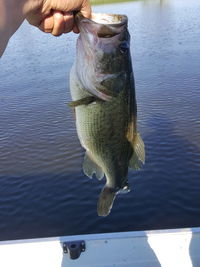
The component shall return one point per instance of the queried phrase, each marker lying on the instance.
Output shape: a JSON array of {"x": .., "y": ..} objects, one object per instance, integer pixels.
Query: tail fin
[{"x": 106, "y": 200}]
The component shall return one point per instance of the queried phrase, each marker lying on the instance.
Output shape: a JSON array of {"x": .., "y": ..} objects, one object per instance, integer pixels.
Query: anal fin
[{"x": 90, "y": 168}]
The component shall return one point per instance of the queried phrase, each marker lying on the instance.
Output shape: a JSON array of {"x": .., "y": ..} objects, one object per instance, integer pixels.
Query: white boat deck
[{"x": 166, "y": 248}]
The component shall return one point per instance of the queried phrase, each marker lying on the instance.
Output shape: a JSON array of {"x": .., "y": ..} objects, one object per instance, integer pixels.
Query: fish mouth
[
  {"x": 111, "y": 19},
  {"x": 102, "y": 24}
]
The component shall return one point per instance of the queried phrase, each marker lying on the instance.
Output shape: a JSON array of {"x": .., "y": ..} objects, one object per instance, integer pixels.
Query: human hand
[{"x": 56, "y": 16}]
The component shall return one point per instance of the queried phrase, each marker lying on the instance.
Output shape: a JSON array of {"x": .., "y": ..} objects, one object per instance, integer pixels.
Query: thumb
[{"x": 86, "y": 9}]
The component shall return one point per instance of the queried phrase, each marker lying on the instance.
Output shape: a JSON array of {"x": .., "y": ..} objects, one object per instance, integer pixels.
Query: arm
[
  {"x": 11, "y": 16},
  {"x": 50, "y": 16}
]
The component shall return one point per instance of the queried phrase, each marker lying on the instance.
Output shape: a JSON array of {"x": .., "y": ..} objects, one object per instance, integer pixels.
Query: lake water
[{"x": 43, "y": 191}]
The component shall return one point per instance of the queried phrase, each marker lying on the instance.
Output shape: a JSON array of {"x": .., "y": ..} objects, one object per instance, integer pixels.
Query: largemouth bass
[{"x": 103, "y": 93}]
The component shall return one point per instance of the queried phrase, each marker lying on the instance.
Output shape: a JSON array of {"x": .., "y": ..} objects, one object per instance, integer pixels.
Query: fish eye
[{"x": 124, "y": 46}]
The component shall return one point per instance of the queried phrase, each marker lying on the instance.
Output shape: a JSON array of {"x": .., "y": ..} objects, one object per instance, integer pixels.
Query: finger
[
  {"x": 68, "y": 22},
  {"x": 86, "y": 12},
  {"x": 47, "y": 24},
  {"x": 74, "y": 5},
  {"x": 58, "y": 23},
  {"x": 86, "y": 9},
  {"x": 75, "y": 29},
  {"x": 54, "y": 23}
]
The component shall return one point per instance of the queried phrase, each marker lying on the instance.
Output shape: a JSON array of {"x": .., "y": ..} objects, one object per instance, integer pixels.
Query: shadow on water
[{"x": 172, "y": 167}]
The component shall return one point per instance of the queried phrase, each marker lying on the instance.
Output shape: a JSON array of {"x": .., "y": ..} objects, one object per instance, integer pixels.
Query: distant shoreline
[{"x": 101, "y": 2}]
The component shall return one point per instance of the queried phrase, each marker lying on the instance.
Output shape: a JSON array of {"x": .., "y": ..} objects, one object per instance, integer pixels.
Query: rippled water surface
[{"x": 43, "y": 191}]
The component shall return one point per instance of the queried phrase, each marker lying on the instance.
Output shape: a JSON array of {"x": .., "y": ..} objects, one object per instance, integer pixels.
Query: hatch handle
[{"x": 74, "y": 248}]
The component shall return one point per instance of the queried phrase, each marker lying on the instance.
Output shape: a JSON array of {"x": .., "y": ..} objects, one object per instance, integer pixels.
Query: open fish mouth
[
  {"x": 102, "y": 18},
  {"x": 102, "y": 24}
]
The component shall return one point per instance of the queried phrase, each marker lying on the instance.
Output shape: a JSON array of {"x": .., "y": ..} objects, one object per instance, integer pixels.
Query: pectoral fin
[
  {"x": 84, "y": 101},
  {"x": 138, "y": 156},
  {"x": 90, "y": 167}
]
